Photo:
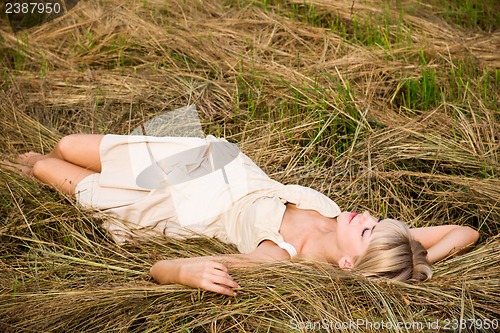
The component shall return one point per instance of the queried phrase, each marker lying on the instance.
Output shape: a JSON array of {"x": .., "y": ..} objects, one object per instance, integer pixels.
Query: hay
[{"x": 392, "y": 110}]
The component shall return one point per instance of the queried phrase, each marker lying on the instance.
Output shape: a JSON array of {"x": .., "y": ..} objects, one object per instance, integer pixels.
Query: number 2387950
[{"x": 32, "y": 8}]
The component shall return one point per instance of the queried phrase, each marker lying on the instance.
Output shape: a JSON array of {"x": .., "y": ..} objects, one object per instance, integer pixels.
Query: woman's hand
[
  {"x": 208, "y": 275},
  {"x": 199, "y": 272}
]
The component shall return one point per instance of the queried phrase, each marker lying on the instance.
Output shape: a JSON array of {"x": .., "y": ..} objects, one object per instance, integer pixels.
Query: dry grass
[{"x": 390, "y": 109}]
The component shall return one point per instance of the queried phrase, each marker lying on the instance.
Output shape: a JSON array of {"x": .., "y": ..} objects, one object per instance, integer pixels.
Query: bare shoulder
[{"x": 269, "y": 251}]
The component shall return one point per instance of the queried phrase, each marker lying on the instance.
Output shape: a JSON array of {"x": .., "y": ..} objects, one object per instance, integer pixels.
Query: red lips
[{"x": 352, "y": 216}]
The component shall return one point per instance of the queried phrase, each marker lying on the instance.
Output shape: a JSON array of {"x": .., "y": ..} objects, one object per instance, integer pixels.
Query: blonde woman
[{"x": 182, "y": 187}]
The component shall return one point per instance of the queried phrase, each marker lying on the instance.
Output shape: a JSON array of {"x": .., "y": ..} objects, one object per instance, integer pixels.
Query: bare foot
[
  {"x": 6, "y": 164},
  {"x": 30, "y": 158}
]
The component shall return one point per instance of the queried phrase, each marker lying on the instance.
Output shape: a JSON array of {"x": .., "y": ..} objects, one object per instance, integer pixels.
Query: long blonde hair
[{"x": 393, "y": 253}]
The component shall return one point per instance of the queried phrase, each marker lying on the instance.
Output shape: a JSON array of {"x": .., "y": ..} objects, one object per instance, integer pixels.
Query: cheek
[{"x": 348, "y": 240}]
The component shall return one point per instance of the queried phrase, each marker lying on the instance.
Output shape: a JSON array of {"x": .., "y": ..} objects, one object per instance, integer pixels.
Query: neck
[{"x": 311, "y": 233}]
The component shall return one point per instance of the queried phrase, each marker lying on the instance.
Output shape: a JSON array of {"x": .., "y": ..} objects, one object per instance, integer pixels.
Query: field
[{"x": 386, "y": 106}]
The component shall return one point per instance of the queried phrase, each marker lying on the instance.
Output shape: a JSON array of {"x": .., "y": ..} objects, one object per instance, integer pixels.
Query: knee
[
  {"x": 40, "y": 168},
  {"x": 66, "y": 144}
]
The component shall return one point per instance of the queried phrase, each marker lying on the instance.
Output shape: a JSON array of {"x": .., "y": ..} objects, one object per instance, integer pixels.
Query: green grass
[{"x": 470, "y": 14}]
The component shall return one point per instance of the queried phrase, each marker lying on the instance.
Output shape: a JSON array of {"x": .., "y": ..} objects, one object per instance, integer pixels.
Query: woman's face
[{"x": 354, "y": 232}]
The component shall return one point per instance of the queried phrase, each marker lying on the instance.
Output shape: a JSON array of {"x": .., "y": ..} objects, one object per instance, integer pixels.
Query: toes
[
  {"x": 15, "y": 166},
  {"x": 32, "y": 153},
  {"x": 24, "y": 157},
  {"x": 30, "y": 157},
  {"x": 28, "y": 154}
]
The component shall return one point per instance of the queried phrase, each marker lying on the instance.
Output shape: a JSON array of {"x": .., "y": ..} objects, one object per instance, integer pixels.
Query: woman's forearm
[
  {"x": 211, "y": 273},
  {"x": 166, "y": 271},
  {"x": 454, "y": 242},
  {"x": 199, "y": 272},
  {"x": 177, "y": 270}
]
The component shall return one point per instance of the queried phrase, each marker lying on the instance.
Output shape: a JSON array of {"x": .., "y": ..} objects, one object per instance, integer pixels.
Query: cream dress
[{"x": 182, "y": 187}]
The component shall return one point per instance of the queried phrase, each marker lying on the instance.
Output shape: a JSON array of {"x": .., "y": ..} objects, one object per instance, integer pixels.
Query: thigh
[
  {"x": 82, "y": 150},
  {"x": 60, "y": 174}
]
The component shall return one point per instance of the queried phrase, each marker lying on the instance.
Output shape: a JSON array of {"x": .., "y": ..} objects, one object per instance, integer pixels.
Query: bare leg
[
  {"x": 59, "y": 174},
  {"x": 79, "y": 149},
  {"x": 74, "y": 157}
]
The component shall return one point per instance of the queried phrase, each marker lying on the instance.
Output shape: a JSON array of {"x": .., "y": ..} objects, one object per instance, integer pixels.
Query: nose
[{"x": 368, "y": 219}]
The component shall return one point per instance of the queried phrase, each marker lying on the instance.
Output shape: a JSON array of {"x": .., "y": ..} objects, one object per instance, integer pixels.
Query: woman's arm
[
  {"x": 211, "y": 273},
  {"x": 443, "y": 241}
]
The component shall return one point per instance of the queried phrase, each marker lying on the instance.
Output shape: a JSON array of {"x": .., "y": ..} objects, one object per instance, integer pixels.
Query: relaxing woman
[{"x": 183, "y": 187}]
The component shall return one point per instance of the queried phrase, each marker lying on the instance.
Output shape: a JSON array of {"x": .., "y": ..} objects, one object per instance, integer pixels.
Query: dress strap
[{"x": 288, "y": 248}]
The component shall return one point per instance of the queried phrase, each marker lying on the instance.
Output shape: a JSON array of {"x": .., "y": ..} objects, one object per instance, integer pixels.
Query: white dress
[{"x": 181, "y": 187}]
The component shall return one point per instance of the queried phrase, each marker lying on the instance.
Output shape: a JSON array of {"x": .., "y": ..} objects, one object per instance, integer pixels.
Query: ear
[{"x": 346, "y": 263}]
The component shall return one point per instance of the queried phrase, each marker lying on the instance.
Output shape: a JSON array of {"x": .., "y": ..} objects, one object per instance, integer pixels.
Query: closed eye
[{"x": 366, "y": 229}]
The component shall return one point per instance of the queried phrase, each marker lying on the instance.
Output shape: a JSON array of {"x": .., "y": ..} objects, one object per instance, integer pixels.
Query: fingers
[
  {"x": 220, "y": 272},
  {"x": 209, "y": 275},
  {"x": 219, "y": 266},
  {"x": 220, "y": 288},
  {"x": 220, "y": 281},
  {"x": 224, "y": 281}
]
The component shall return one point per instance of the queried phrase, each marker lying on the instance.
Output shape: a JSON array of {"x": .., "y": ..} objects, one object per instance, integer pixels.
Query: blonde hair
[{"x": 393, "y": 253}]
